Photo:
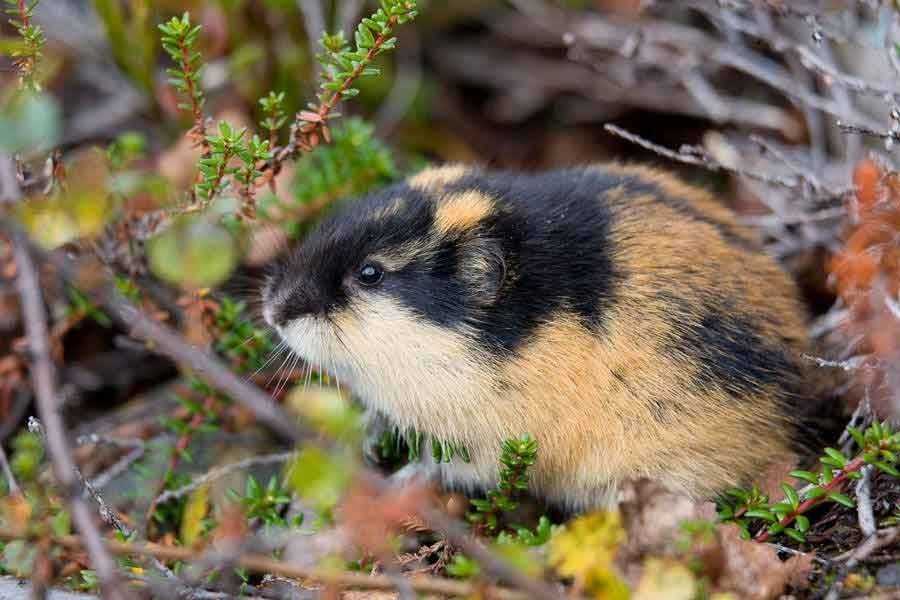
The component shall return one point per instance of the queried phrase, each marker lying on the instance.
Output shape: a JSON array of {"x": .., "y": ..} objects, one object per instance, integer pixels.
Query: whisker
[
  {"x": 309, "y": 369},
  {"x": 276, "y": 351},
  {"x": 277, "y": 373},
  {"x": 283, "y": 384}
]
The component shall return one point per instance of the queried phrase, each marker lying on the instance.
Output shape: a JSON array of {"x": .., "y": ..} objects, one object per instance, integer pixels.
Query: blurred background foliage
[{"x": 187, "y": 211}]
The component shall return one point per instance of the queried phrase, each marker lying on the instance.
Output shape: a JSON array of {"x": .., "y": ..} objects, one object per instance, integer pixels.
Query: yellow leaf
[
  {"x": 665, "y": 580},
  {"x": 194, "y": 512},
  {"x": 585, "y": 550}
]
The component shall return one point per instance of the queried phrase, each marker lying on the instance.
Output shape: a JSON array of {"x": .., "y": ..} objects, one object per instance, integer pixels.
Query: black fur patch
[
  {"x": 337, "y": 248},
  {"x": 553, "y": 229},
  {"x": 727, "y": 350}
]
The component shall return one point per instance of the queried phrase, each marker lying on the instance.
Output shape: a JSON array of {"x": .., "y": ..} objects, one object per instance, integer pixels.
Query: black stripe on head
[
  {"x": 553, "y": 232},
  {"x": 351, "y": 233}
]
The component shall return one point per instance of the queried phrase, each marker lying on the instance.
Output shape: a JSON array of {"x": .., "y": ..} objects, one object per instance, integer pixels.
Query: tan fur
[
  {"x": 588, "y": 399},
  {"x": 435, "y": 179},
  {"x": 463, "y": 211}
]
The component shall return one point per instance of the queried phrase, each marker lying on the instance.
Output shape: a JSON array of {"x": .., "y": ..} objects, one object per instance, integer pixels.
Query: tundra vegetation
[{"x": 157, "y": 441}]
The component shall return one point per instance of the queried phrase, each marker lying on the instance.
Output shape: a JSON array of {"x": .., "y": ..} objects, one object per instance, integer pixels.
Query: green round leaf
[{"x": 193, "y": 253}]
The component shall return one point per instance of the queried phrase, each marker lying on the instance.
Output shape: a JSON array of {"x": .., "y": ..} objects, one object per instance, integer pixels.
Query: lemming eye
[{"x": 370, "y": 274}]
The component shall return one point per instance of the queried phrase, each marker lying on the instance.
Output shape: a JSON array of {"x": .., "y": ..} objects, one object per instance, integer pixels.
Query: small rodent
[{"x": 623, "y": 318}]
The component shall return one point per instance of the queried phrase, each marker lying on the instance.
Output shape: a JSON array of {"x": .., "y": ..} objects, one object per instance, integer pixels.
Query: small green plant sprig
[
  {"x": 878, "y": 446},
  {"x": 513, "y": 546},
  {"x": 342, "y": 66},
  {"x": 179, "y": 40},
  {"x": 247, "y": 345},
  {"x": 517, "y": 456},
  {"x": 26, "y": 56},
  {"x": 274, "y": 115},
  {"x": 266, "y": 503},
  {"x": 216, "y": 167}
]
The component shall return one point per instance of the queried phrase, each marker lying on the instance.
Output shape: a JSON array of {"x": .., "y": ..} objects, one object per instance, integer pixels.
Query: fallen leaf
[
  {"x": 665, "y": 580},
  {"x": 753, "y": 570}
]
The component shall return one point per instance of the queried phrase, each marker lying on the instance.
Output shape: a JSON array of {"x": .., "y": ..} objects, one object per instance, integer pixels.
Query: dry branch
[
  {"x": 265, "y": 565},
  {"x": 43, "y": 376}
]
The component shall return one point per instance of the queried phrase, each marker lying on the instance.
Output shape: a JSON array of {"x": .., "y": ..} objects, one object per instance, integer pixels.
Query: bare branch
[
  {"x": 43, "y": 376},
  {"x": 694, "y": 155},
  {"x": 222, "y": 471},
  {"x": 263, "y": 564},
  {"x": 11, "y": 483},
  {"x": 880, "y": 539},
  {"x": 864, "y": 511}
]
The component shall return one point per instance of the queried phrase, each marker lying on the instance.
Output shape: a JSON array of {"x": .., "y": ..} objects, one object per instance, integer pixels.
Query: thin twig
[
  {"x": 314, "y": 23},
  {"x": 880, "y": 539},
  {"x": 864, "y": 511},
  {"x": 11, "y": 485},
  {"x": 263, "y": 564},
  {"x": 222, "y": 471},
  {"x": 43, "y": 378},
  {"x": 693, "y": 155},
  {"x": 109, "y": 516}
]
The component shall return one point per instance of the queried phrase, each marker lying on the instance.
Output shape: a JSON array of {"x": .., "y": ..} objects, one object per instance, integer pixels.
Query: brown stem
[
  {"x": 832, "y": 486},
  {"x": 196, "y": 110},
  {"x": 43, "y": 376},
  {"x": 306, "y": 134},
  {"x": 23, "y": 13},
  {"x": 263, "y": 564}
]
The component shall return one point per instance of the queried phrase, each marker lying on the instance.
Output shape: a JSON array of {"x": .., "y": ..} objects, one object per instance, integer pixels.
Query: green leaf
[
  {"x": 760, "y": 513},
  {"x": 837, "y": 456},
  {"x": 794, "y": 534},
  {"x": 802, "y": 524},
  {"x": 890, "y": 470},
  {"x": 791, "y": 494},
  {"x": 815, "y": 492},
  {"x": 841, "y": 499},
  {"x": 805, "y": 476}
]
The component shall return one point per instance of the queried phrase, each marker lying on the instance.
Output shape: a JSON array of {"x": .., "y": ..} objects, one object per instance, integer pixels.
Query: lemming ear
[{"x": 482, "y": 268}]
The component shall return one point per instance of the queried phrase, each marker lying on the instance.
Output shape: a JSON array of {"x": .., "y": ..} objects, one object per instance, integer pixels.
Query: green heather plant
[
  {"x": 517, "y": 456},
  {"x": 878, "y": 446},
  {"x": 179, "y": 39},
  {"x": 27, "y": 54}
]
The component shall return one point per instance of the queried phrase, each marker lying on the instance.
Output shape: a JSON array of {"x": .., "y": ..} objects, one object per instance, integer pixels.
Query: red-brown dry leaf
[
  {"x": 866, "y": 179},
  {"x": 653, "y": 515},
  {"x": 231, "y": 528},
  {"x": 753, "y": 570},
  {"x": 369, "y": 517},
  {"x": 16, "y": 511}
]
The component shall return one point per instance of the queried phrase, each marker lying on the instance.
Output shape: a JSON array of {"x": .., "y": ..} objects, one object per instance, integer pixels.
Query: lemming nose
[{"x": 298, "y": 304}]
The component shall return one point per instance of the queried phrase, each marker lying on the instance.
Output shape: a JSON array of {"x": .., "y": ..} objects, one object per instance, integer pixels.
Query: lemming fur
[{"x": 622, "y": 317}]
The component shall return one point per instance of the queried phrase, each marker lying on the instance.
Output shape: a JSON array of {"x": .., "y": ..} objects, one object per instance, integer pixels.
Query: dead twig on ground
[
  {"x": 264, "y": 564},
  {"x": 223, "y": 471},
  {"x": 11, "y": 484},
  {"x": 43, "y": 378},
  {"x": 880, "y": 539}
]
